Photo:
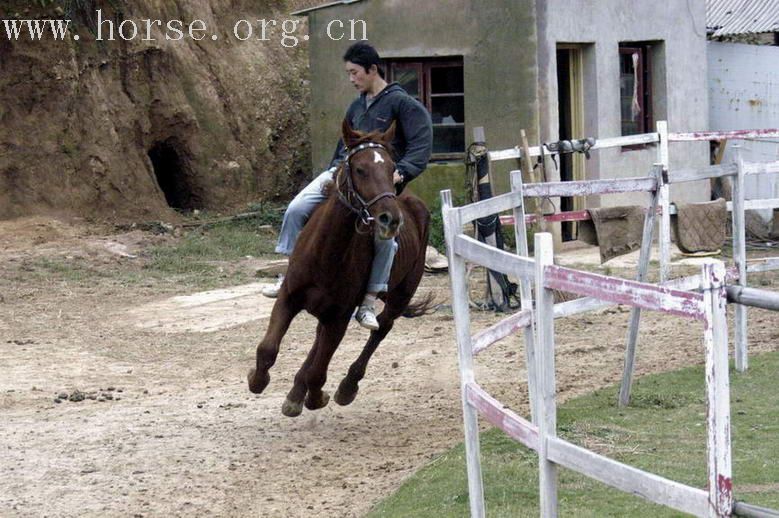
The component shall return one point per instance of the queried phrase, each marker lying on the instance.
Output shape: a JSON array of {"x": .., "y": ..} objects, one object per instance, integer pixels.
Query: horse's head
[{"x": 366, "y": 181}]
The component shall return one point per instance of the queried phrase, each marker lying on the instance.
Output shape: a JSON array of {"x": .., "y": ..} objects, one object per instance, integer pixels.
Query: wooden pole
[
  {"x": 753, "y": 511},
  {"x": 719, "y": 463},
  {"x": 452, "y": 227},
  {"x": 526, "y": 296},
  {"x": 665, "y": 205},
  {"x": 753, "y": 297},
  {"x": 547, "y": 411},
  {"x": 527, "y": 165},
  {"x": 643, "y": 268},
  {"x": 740, "y": 261}
]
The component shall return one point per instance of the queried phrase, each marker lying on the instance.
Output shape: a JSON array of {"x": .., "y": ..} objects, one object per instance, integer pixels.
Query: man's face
[{"x": 359, "y": 78}]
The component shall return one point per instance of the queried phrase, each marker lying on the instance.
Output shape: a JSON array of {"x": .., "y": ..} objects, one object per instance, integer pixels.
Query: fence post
[
  {"x": 665, "y": 205},
  {"x": 717, "y": 390},
  {"x": 526, "y": 296},
  {"x": 740, "y": 261},
  {"x": 452, "y": 227},
  {"x": 545, "y": 369},
  {"x": 643, "y": 268}
]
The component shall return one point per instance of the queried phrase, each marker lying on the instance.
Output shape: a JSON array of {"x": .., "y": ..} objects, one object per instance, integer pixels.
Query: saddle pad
[
  {"x": 616, "y": 230},
  {"x": 700, "y": 227}
]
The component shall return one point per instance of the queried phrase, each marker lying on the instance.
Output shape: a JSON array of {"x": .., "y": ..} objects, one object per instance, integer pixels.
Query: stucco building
[{"x": 557, "y": 68}]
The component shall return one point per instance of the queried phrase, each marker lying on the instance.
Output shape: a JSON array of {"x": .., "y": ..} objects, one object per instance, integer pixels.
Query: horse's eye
[{"x": 360, "y": 171}]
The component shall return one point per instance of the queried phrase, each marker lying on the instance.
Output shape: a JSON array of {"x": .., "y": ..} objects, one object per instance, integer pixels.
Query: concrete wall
[
  {"x": 680, "y": 94},
  {"x": 744, "y": 94},
  {"x": 496, "y": 39}
]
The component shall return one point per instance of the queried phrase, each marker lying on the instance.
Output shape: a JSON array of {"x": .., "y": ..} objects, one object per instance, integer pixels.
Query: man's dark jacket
[{"x": 413, "y": 142}]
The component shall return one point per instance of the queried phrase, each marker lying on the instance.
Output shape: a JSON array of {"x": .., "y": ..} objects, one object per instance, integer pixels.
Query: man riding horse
[
  {"x": 378, "y": 106},
  {"x": 346, "y": 255}
]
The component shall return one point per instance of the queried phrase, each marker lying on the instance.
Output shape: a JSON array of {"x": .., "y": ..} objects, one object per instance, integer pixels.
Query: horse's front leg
[
  {"x": 268, "y": 349},
  {"x": 347, "y": 389},
  {"x": 313, "y": 373}
]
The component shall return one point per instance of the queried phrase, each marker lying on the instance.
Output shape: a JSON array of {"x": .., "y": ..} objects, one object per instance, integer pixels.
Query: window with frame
[
  {"x": 635, "y": 88},
  {"x": 439, "y": 85}
]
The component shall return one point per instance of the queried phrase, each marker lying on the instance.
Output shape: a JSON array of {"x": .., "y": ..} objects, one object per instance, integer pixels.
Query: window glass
[
  {"x": 448, "y": 110},
  {"x": 635, "y": 87},
  {"x": 408, "y": 78},
  {"x": 439, "y": 85},
  {"x": 446, "y": 80}
]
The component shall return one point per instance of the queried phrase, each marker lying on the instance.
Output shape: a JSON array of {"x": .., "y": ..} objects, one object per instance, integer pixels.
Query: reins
[{"x": 352, "y": 199}]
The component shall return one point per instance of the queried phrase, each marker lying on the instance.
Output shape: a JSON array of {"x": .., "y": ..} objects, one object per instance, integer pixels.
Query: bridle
[{"x": 352, "y": 199}]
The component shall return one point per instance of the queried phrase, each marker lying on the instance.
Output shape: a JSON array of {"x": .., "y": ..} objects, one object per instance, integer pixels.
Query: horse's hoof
[
  {"x": 321, "y": 403},
  {"x": 258, "y": 382},
  {"x": 291, "y": 409},
  {"x": 343, "y": 397}
]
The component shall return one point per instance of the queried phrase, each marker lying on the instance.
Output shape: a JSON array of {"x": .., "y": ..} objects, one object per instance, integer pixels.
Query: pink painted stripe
[
  {"x": 622, "y": 291},
  {"x": 502, "y": 329},
  {"x": 574, "y": 215},
  {"x": 498, "y": 415},
  {"x": 723, "y": 135}
]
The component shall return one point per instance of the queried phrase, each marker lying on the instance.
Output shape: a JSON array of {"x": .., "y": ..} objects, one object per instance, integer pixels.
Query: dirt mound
[{"x": 128, "y": 129}]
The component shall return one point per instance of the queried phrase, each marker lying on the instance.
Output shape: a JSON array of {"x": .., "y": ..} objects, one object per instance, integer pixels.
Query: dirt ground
[{"x": 167, "y": 426}]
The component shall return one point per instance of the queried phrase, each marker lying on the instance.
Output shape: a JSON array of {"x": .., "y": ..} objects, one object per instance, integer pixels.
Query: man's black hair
[{"x": 362, "y": 53}]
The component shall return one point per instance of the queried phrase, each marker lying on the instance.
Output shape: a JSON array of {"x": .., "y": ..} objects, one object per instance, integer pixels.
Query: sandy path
[{"x": 178, "y": 433}]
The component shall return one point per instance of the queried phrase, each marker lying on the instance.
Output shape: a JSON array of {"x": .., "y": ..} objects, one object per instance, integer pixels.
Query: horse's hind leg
[
  {"x": 313, "y": 373},
  {"x": 347, "y": 389},
  {"x": 293, "y": 405},
  {"x": 268, "y": 349}
]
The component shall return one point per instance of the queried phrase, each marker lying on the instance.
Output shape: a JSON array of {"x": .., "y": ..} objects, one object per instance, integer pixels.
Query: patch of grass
[
  {"x": 268, "y": 213},
  {"x": 663, "y": 432},
  {"x": 198, "y": 250},
  {"x": 436, "y": 239},
  {"x": 63, "y": 269}
]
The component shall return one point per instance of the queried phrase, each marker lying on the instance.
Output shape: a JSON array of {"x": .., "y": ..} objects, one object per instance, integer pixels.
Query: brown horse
[{"x": 329, "y": 268}]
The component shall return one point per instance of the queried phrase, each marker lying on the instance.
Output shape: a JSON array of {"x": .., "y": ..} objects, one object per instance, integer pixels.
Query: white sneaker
[
  {"x": 273, "y": 291},
  {"x": 366, "y": 316}
]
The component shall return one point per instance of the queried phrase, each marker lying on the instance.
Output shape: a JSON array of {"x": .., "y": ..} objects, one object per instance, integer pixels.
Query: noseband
[{"x": 352, "y": 199}]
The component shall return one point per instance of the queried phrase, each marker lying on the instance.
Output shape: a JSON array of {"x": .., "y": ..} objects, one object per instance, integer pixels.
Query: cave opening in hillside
[{"x": 173, "y": 175}]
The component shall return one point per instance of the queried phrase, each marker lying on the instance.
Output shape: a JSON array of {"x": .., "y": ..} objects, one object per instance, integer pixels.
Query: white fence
[
  {"x": 661, "y": 203},
  {"x": 540, "y": 435}
]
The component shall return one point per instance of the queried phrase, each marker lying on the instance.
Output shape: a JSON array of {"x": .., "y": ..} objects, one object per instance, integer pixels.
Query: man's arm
[
  {"x": 339, "y": 154},
  {"x": 418, "y": 130},
  {"x": 340, "y": 148}
]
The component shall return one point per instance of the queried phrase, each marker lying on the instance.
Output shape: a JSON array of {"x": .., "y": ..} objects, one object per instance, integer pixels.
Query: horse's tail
[{"x": 424, "y": 306}]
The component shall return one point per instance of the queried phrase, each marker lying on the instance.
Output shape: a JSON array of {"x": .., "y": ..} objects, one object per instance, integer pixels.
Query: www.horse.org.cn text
[{"x": 284, "y": 32}]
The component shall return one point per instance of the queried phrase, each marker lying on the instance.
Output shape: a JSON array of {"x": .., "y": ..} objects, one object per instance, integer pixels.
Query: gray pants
[{"x": 301, "y": 208}]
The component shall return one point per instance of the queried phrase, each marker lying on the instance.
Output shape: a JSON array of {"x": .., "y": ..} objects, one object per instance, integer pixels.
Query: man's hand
[{"x": 396, "y": 177}]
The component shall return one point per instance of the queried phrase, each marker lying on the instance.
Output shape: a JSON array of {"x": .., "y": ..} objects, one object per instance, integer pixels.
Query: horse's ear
[
  {"x": 350, "y": 137},
  {"x": 388, "y": 136}
]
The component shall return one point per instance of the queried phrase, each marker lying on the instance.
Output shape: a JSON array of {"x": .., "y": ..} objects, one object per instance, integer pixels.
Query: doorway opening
[{"x": 570, "y": 102}]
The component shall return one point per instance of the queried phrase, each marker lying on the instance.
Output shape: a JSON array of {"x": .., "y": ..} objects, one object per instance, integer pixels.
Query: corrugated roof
[
  {"x": 331, "y": 4},
  {"x": 724, "y": 17}
]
